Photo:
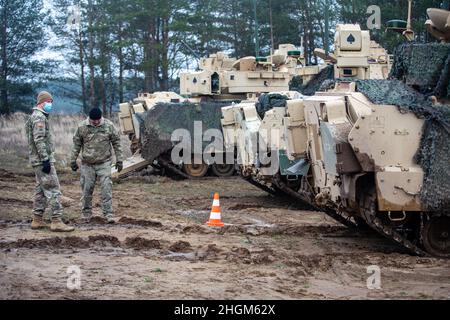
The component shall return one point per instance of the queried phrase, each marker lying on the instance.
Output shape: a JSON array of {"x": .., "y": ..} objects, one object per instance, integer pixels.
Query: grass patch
[{"x": 14, "y": 144}]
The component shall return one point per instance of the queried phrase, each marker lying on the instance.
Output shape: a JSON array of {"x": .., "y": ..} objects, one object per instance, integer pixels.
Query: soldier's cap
[
  {"x": 44, "y": 96},
  {"x": 95, "y": 114}
]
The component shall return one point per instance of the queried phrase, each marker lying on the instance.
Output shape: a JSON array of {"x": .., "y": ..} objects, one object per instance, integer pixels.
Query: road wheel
[
  {"x": 436, "y": 236},
  {"x": 196, "y": 170},
  {"x": 223, "y": 170}
]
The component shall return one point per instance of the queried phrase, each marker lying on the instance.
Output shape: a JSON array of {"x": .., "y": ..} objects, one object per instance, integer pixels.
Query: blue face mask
[{"x": 48, "y": 106}]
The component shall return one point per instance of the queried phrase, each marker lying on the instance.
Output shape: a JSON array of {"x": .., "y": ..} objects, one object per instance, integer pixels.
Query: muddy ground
[{"x": 161, "y": 248}]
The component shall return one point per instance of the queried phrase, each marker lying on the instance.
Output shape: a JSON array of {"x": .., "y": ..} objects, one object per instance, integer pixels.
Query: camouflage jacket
[
  {"x": 95, "y": 143},
  {"x": 40, "y": 140}
]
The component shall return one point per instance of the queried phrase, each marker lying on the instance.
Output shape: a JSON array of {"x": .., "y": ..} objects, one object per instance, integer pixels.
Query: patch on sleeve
[{"x": 40, "y": 125}]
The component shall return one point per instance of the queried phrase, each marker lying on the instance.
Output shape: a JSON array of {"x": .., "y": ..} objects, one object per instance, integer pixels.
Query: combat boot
[
  {"x": 111, "y": 220},
  {"x": 38, "y": 223},
  {"x": 59, "y": 226},
  {"x": 85, "y": 220}
]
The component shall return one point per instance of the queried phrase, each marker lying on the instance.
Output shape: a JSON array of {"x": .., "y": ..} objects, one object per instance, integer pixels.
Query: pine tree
[{"x": 22, "y": 36}]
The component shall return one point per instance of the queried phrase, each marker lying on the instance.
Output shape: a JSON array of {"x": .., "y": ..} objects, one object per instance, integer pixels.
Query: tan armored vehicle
[
  {"x": 223, "y": 80},
  {"x": 220, "y": 79},
  {"x": 361, "y": 58},
  {"x": 367, "y": 152},
  {"x": 356, "y": 55}
]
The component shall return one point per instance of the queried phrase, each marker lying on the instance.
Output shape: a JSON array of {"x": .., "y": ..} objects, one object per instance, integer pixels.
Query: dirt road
[{"x": 161, "y": 248}]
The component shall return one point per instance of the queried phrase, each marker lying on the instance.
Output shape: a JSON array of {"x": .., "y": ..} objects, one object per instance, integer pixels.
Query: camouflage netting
[
  {"x": 269, "y": 101},
  {"x": 434, "y": 152},
  {"x": 316, "y": 82},
  {"x": 159, "y": 123},
  {"x": 328, "y": 85},
  {"x": 426, "y": 67}
]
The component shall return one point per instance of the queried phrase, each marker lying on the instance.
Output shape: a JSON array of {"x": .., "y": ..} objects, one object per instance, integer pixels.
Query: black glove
[
  {"x": 46, "y": 167},
  {"x": 119, "y": 166},
  {"x": 74, "y": 166}
]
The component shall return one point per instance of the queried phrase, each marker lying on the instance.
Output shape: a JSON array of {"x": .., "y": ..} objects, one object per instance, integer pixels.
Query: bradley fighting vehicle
[
  {"x": 366, "y": 152},
  {"x": 221, "y": 80},
  {"x": 150, "y": 119}
]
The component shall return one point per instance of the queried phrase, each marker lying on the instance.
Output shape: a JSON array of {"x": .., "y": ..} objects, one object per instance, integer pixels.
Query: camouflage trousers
[
  {"x": 89, "y": 175},
  {"x": 47, "y": 192}
]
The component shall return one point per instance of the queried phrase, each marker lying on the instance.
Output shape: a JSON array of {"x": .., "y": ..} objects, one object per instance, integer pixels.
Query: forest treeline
[{"x": 102, "y": 52}]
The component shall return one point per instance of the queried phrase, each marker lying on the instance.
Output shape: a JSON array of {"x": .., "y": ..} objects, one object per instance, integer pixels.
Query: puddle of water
[
  {"x": 259, "y": 223},
  {"x": 175, "y": 256},
  {"x": 193, "y": 213},
  {"x": 199, "y": 216}
]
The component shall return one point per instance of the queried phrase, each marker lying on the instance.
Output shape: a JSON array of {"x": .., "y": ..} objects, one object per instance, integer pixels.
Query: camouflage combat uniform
[
  {"x": 41, "y": 148},
  {"x": 95, "y": 143}
]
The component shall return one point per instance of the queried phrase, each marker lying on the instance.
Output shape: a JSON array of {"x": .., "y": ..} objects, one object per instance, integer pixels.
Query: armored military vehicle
[
  {"x": 366, "y": 152},
  {"x": 221, "y": 80},
  {"x": 356, "y": 57}
]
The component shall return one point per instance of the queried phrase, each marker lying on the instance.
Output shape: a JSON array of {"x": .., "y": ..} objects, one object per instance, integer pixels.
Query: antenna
[
  {"x": 409, "y": 33},
  {"x": 271, "y": 35},
  {"x": 256, "y": 30},
  {"x": 327, "y": 27},
  {"x": 196, "y": 56},
  {"x": 408, "y": 26},
  {"x": 271, "y": 27}
]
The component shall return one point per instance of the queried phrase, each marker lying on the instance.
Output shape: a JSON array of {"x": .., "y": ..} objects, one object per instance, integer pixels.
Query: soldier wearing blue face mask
[{"x": 42, "y": 158}]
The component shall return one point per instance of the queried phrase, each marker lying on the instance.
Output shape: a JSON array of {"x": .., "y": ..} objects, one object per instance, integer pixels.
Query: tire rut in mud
[
  {"x": 273, "y": 230},
  {"x": 95, "y": 221},
  {"x": 173, "y": 251},
  {"x": 13, "y": 201}
]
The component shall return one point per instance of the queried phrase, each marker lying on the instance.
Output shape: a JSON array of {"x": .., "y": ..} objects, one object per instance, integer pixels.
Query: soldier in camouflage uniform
[
  {"x": 42, "y": 158},
  {"x": 94, "y": 138}
]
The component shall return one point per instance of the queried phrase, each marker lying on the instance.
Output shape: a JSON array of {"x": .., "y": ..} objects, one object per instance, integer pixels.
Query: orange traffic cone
[{"x": 215, "y": 219}]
